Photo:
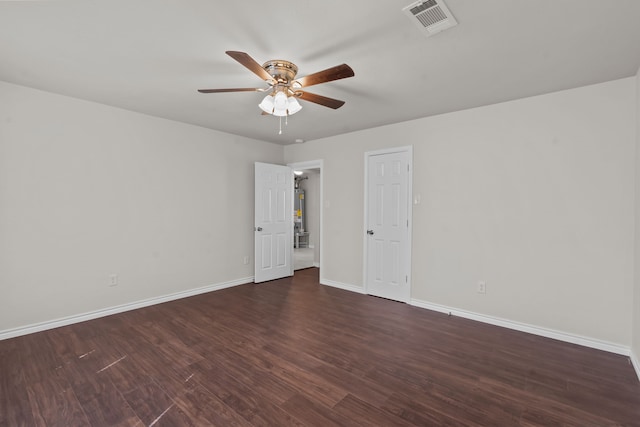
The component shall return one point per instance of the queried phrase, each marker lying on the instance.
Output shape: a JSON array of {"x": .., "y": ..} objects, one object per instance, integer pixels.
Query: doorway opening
[{"x": 307, "y": 215}]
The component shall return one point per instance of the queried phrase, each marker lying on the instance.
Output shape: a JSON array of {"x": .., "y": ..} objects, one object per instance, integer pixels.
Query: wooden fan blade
[
  {"x": 237, "y": 89},
  {"x": 319, "y": 99},
  {"x": 330, "y": 74},
  {"x": 250, "y": 63}
]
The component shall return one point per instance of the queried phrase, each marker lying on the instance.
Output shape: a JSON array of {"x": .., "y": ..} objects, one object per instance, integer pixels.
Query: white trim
[
  {"x": 524, "y": 327},
  {"x": 311, "y": 164},
  {"x": 344, "y": 286},
  {"x": 509, "y": 324},
  {"x": 409, "y": 257},
  {"x": 64, "y": 321},
  {"x": 316, "y": 264},
  {"x": 635, "y": 363}
]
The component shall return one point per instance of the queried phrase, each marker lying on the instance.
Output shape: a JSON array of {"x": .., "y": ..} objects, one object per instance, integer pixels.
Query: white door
[
  {"x": 387, "y": 225},
  {"x": 273, "y": 222}
]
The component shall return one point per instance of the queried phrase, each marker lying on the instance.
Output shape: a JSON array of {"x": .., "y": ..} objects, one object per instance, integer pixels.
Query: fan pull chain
[{"x": 280, "y": 133}]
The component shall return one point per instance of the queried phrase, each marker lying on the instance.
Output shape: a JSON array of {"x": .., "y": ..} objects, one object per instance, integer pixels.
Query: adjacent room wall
[
  {"x": 635, "y": 342},
  {"x": 88, "y": 191},
  {"x": 311, "y": 187},
  {"x": 533, "y": 196}
]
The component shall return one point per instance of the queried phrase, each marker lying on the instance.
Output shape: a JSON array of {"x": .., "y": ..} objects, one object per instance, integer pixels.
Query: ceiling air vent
[{"x": 431, "y": 16}]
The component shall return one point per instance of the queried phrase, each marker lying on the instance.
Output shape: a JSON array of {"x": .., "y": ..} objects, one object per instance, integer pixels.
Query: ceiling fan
[{"x": 283, "y": 88}]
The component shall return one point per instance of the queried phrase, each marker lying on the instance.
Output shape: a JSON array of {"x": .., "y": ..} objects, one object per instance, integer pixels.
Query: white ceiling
[{"x": 151, "y": 56}]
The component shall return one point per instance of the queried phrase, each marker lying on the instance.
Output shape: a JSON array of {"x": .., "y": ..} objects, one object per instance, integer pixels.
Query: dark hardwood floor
[{"x": 293, "y": 352}]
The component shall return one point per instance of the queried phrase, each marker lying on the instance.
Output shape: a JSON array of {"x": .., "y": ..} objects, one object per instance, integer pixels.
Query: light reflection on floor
[{"x": 303, "y": 258}]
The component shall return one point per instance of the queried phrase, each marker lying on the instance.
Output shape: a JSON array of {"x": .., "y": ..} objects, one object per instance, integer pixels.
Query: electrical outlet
[
  {"x": 246, "y": 260},
  {"x": 482, "y": 287},
  {"x": 113, "y": 280}
]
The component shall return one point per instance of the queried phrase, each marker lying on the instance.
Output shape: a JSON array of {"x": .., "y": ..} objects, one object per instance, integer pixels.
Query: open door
[{"x": 273, "y": 222}]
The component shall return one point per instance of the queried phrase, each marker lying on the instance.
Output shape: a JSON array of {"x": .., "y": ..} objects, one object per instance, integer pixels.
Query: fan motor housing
[{"x": 282, "y": 71}]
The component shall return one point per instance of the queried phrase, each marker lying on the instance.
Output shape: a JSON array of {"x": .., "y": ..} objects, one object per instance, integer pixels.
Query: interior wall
[
  {"x": 88, "y": 191},
  {"x": 311, "y": 187},
  {"x": 635, "y": 348},
  {"x": 533, "y": 196}
]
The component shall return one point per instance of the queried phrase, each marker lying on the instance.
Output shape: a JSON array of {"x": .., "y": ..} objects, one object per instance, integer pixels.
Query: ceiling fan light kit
[
  {"x": 280, "y": 104},
  {"x": 284, "y": 90}
]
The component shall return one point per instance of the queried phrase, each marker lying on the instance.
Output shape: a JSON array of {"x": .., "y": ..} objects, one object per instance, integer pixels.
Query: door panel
[
  {"x": 273, "y": 222},
  {"x": 387, "y": 263}
]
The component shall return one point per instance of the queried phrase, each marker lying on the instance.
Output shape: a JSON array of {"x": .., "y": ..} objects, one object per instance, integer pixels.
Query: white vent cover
[{"x": 431, "y": 16}]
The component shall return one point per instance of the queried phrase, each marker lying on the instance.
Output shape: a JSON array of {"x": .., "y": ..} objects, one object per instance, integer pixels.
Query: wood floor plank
[
  {"x": 38, "y": 359},
  {"x": 108, "y": 408},
  {"x": 420, "y": 414},
  {"x": 54, "y": 403},
  {"x": 150, "y": 364},
  {"x": 294, "y": 352},
  {"x": 101, "y": 402},
  {"x": 352, "y": 408},
  {"x": 358, "y": 387},
  {"x": 15, "y": 408},
  {"x": 261, "y": 381},
  {"x": 204, "y": 409},
  {"x": 129, "y": 375},
  {"x": 541, "y": 406},
  {"x": 311, "y": 413},
  {"x": 67, "y": 344},
  {"x": 152, "y": 405},
  {"x": 243, "y": 399}
]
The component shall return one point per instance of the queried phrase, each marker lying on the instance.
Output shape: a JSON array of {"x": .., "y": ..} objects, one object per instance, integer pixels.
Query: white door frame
[
  {"x": 408, "y": 149},
  {"x": 315, "y": 164}
]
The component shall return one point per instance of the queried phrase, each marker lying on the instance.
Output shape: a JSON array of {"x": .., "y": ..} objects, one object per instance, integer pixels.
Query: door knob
[
  {"x": 370, "y": 232},
  {"x": 257, "y": 228}
]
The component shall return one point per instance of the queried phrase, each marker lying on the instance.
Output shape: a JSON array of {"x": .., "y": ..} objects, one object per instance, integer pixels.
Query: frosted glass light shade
[
  {"x": 267, "y": 104},
  {"x": 294, "y": 106},
  {"x": 280, "y": 104},
  {"x": 280, "y": 100}
]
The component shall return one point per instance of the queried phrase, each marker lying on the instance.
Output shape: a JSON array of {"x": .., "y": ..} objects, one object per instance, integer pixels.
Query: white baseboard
[
  {"x": 636, "y": 364},
  {"x": 43, "y": 326},
  {"x": 316, "y": 264},
  {"x": 346, "y": 287},
  {"x": 524, "y": 327}
]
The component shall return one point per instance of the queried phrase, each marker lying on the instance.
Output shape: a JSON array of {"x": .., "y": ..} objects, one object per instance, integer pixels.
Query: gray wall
[
  {"x": 635, "y": 348},
  {"x": 533, "y": 196},
  {"x": 87, "y": 191},
  {"x": 311, "y": 187}
]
